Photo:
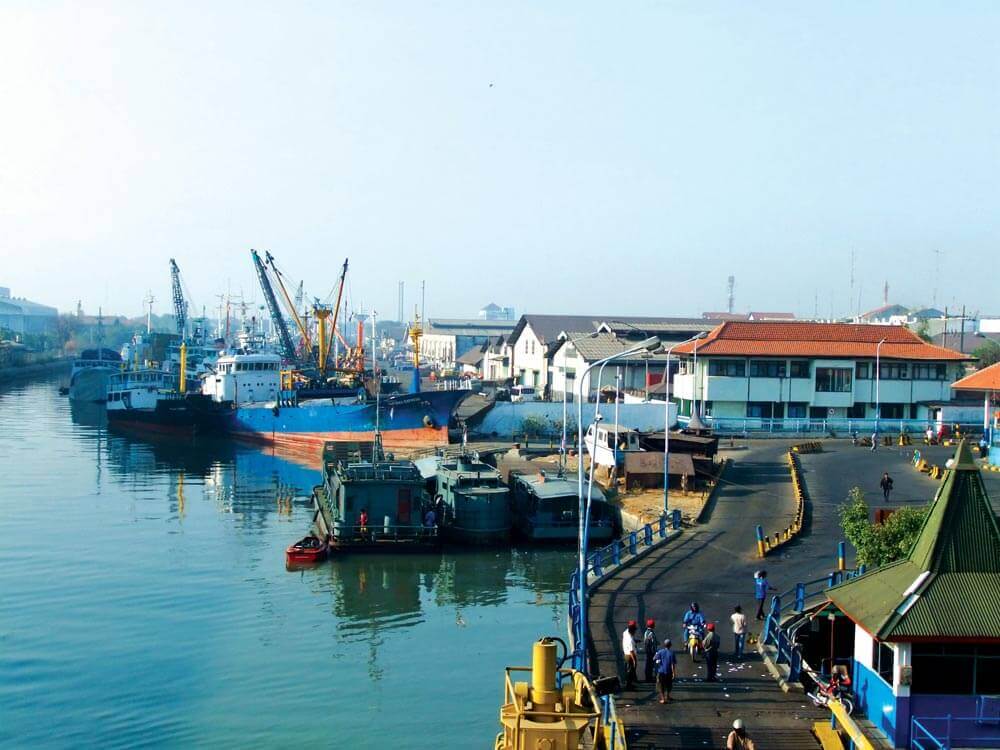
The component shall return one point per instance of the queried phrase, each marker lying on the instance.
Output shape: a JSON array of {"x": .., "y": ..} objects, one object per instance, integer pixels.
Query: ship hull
[
  {"x": 177, "y": 416},
  {"x": 90, "y": 385},
  {"x": 406, "y": 420}
]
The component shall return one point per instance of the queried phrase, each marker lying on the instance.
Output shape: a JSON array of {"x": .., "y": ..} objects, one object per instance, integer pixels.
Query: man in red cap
[
  {"x": 650, "y": 646},
  {"x": 629, "y": 652},
  {"x": 711, "y": 645}
]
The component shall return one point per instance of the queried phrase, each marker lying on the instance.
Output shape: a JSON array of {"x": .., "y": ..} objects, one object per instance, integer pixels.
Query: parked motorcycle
[{"x": 838, "y": 688}]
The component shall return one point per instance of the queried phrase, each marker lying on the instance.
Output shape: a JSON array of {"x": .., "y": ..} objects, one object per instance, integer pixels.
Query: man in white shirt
[
  {"x": 739, "y": 630},
  {"x": 629, "y": 652}
]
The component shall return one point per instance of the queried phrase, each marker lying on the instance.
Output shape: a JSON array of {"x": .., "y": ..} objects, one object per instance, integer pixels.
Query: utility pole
[
  {"x": 423, "y": 309},
  {"x": 732, "y": 297},
  {"x": 961, "y": 336},
  {"x": 149, "y": 311}
]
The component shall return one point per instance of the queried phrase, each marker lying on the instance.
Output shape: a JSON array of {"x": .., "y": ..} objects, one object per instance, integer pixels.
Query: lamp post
[
  {"x": 649, "y": 344},
  {"x": 878, "y": 374},
  {"x": 563, "y": 445},
  {"x": 666, "y": 417},
  {"x": 695, "y": 384}
]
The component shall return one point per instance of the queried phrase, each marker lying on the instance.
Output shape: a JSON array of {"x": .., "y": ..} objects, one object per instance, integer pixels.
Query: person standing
[
  {"x": 739, "y": 621},
  {"x": 629, "y": 652},
  {"x": 737, "y": 739},
  {"x": 875, "y": 441},
  {"x": 760, "y": 589},
  {"x": 711, "y": 646},
  {"x": 886, "y": 485},
  {"x": 666, "y": 669},
  {"x": 363, "y": 521},
  {"x": 649, "y": 643}
]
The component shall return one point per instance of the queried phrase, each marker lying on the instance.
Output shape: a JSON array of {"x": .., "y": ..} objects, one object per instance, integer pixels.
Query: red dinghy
[{"x": 309, "y": 549}]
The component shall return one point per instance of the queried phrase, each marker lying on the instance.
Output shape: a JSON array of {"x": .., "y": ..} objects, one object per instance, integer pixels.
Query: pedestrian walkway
[{"x": 712, "y": 564}]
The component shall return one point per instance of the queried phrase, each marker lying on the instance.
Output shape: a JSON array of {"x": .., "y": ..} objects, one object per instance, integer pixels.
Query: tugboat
[
  {"x": 370, "y": 501},
  {"x": 476, "y": 504},
  {"x": 546, "y": 509}
]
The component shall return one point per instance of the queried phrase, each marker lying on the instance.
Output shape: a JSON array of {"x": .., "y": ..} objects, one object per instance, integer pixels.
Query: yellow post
[
  {"x": 184, "y": 367},
  {"x": 543, "y": 673}
]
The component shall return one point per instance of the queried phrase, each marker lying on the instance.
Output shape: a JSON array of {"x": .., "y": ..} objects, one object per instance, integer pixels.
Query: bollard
[
  {"x": 647, "y": 533},
  {"x": 800, "y": 597},
  {"x": 663, "y": 526},
  {"x": 633, "y": 540},
  {"x": 595, "y": 563},
  {"x": 616, "y": 552},
  {"x": 760, "y": 541},
  {"x": 675, "y": 519},
  {"x": 841, "y": 556}
]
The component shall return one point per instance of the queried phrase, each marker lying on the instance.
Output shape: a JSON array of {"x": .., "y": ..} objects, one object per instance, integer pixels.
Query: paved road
[{"x": 714, "y": 565}]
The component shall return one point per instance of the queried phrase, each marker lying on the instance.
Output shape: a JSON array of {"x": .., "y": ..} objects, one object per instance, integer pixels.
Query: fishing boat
[
  {"x": 476, "y": 503},
  {"x": 546, "y": 509},
  {"x": 309, "y": 549},
  {"x": 371, "y": 502}
]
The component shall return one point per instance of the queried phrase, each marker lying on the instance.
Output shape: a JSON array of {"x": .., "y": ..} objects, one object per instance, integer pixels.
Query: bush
[
  {"x": 879, "y": 544},
  {"x": 533, "y": 425}
]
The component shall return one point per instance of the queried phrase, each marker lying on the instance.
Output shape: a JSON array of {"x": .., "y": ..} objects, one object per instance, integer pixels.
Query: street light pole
[
  {"x": 666, "y": 418},
  {"x": 649, "y": 344},
  {"x": 564, "y": 445},
  {"x": 878, "y": 377}
]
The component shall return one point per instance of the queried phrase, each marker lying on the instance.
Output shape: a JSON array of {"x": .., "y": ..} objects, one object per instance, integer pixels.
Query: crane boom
[
  {"x": 180, "y": 304},
  {"x": 303, "y": 330},
  {"x": 336, "y": 310},
  {"x": 284, "y": 338}
]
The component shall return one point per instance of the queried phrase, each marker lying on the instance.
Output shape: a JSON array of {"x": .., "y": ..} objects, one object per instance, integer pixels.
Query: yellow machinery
[
  {"x": 558, "y": 710},
  {"x": 416, "y": 332},
  {"x": 182, "y": 386}
]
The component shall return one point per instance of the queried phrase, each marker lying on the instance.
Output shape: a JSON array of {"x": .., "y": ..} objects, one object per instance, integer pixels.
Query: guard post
[
  {"x": 760, "y": 541},
  {"x": 841, "y": 556}
]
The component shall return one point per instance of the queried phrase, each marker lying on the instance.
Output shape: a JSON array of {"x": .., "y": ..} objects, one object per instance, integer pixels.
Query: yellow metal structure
[
  {"x": 849, "y": 727},
  {"x": 182, "y": 387},
  {"x": 416, "y": 333},
  {"x": 322, "y": 313},
  {"x": 557, "y": 710},
  {"x": 828, "y": 737}
]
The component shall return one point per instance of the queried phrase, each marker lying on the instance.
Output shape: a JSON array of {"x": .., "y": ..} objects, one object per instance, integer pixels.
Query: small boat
[{"x": 310, "y": 549}]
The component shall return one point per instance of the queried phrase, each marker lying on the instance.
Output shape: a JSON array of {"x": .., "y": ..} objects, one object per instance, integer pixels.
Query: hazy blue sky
[{"x": 627, "y": 157}]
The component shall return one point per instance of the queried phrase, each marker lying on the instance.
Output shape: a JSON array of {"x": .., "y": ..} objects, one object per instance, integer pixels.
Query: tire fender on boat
[{"x": 428, "y": 420}]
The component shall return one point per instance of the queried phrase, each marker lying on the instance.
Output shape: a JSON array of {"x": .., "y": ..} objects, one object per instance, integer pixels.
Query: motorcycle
[
  {"x": 695, "y": 633},
  {"x": 837, "y": 689}
]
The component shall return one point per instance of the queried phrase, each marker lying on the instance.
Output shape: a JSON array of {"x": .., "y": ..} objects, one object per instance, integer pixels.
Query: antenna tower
[{"x": 731, "y": 286}]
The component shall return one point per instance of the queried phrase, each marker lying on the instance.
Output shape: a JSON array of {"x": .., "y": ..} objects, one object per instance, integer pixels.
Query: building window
[
  {"x": 833, "y": 379},
  {"x": 893, "y": 371},
  {"x": 798, "y": 368},
  {"x": 728, "y": 368},
  {"x": 856, "y": 411},
  {"x": 758, "y": 409},
  {"x": 863, "y": 370},
  {"x": 797, "y": 411},
  {"x": 932, "y": 371},
  {"x": 882, "y": 660},
  {"x": 767, "y": 368},
  {"x": 956, "y": 668},
  {"x": 891, "y": 411}
]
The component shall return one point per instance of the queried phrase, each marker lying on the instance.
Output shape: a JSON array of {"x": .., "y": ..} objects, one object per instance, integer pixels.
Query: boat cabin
[
  {"x": 607, "y": 437},
  {"x": 546, "y": 509},
  {"x": 244, "y": 378},
  {"x": 476, "y": 502}
]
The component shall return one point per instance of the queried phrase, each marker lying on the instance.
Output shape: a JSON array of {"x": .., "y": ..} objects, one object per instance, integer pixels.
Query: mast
[{"x": 284, "y": 338}]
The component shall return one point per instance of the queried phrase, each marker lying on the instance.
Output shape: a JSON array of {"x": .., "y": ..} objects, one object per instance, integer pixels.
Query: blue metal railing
[
  {"x": 609, "y": 556},
  {"x": 611, "y": 723},
  {"x": 787, "y": 651},
  {"x": 945, "y": 732},
  {"x": 838, "y": 426}
]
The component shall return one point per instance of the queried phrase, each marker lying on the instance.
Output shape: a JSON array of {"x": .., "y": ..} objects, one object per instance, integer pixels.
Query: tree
[
  {"x": 923, "y": 330},
  {"x": 987, "y": 354},
  {"x": 879, "y": 544}
]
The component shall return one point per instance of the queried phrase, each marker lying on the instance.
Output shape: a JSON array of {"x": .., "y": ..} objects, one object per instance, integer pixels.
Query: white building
[
  {"x": 577, "y": 351},
  {"x": 808, "y": 370}
]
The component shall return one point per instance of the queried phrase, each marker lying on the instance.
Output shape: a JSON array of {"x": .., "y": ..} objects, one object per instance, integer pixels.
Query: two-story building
[
  {"x": 446, "y": 339},
  {"x": 576, "y": 351},
  {"x": 798, "y": 370}
]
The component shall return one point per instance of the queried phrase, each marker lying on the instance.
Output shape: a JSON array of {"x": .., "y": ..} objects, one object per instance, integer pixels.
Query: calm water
[{"x": 144, "y": 602}]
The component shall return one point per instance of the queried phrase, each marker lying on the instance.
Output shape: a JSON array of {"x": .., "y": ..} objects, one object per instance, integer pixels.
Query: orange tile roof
[
  {"x": 811, "y": 339},
  {"x": 987, "y": 379}
]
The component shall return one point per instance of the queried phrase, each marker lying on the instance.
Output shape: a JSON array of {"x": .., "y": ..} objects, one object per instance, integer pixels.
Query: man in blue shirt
[
  {"x": 760, "y": 589},
  {"x": 666, "y": 666}
]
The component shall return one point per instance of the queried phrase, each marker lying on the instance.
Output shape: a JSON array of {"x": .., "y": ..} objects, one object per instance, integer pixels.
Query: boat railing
[{"x": 380, "y": 532}]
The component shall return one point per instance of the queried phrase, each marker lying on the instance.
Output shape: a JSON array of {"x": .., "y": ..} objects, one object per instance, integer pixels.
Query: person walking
[
  {"x": 649, "y": 643},
  {"x": 666, "y": 670},
  {"x": 760, "y": 589},
  {"x": 710, "y": 643},
  {"x": 629, "y": 652},
  {"x": 739, "y": 621},
  {"x": 875, "y": 441},
  {"x": 737, "y": 739},
  {"x": 886, "y": 485}
]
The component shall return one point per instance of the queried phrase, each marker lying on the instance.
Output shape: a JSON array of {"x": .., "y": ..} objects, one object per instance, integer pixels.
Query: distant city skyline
[{"x": 557, "y": 158}]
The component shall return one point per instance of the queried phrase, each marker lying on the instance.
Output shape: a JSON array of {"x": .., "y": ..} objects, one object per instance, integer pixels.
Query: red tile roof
[
  {"x": 987, "y": 379},
  {"x": 810, "y": 339}
]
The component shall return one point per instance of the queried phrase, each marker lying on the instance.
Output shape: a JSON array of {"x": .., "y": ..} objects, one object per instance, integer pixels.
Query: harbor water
[{"x": 144, "y": 601}]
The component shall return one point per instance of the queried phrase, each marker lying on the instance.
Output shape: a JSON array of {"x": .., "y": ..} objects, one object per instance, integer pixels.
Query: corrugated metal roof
[{"x": 949, "y": 584}]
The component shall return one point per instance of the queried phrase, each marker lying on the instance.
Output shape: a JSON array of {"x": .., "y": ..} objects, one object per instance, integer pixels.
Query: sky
[{"x": 569, "y": 157}]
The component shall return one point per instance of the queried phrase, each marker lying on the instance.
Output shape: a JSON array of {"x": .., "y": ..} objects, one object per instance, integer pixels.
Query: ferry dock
[{"x": 713, "y": 563}]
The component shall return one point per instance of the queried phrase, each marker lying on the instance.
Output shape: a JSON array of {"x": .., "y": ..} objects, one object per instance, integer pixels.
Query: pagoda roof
[{"x": 948, "y": 587}]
